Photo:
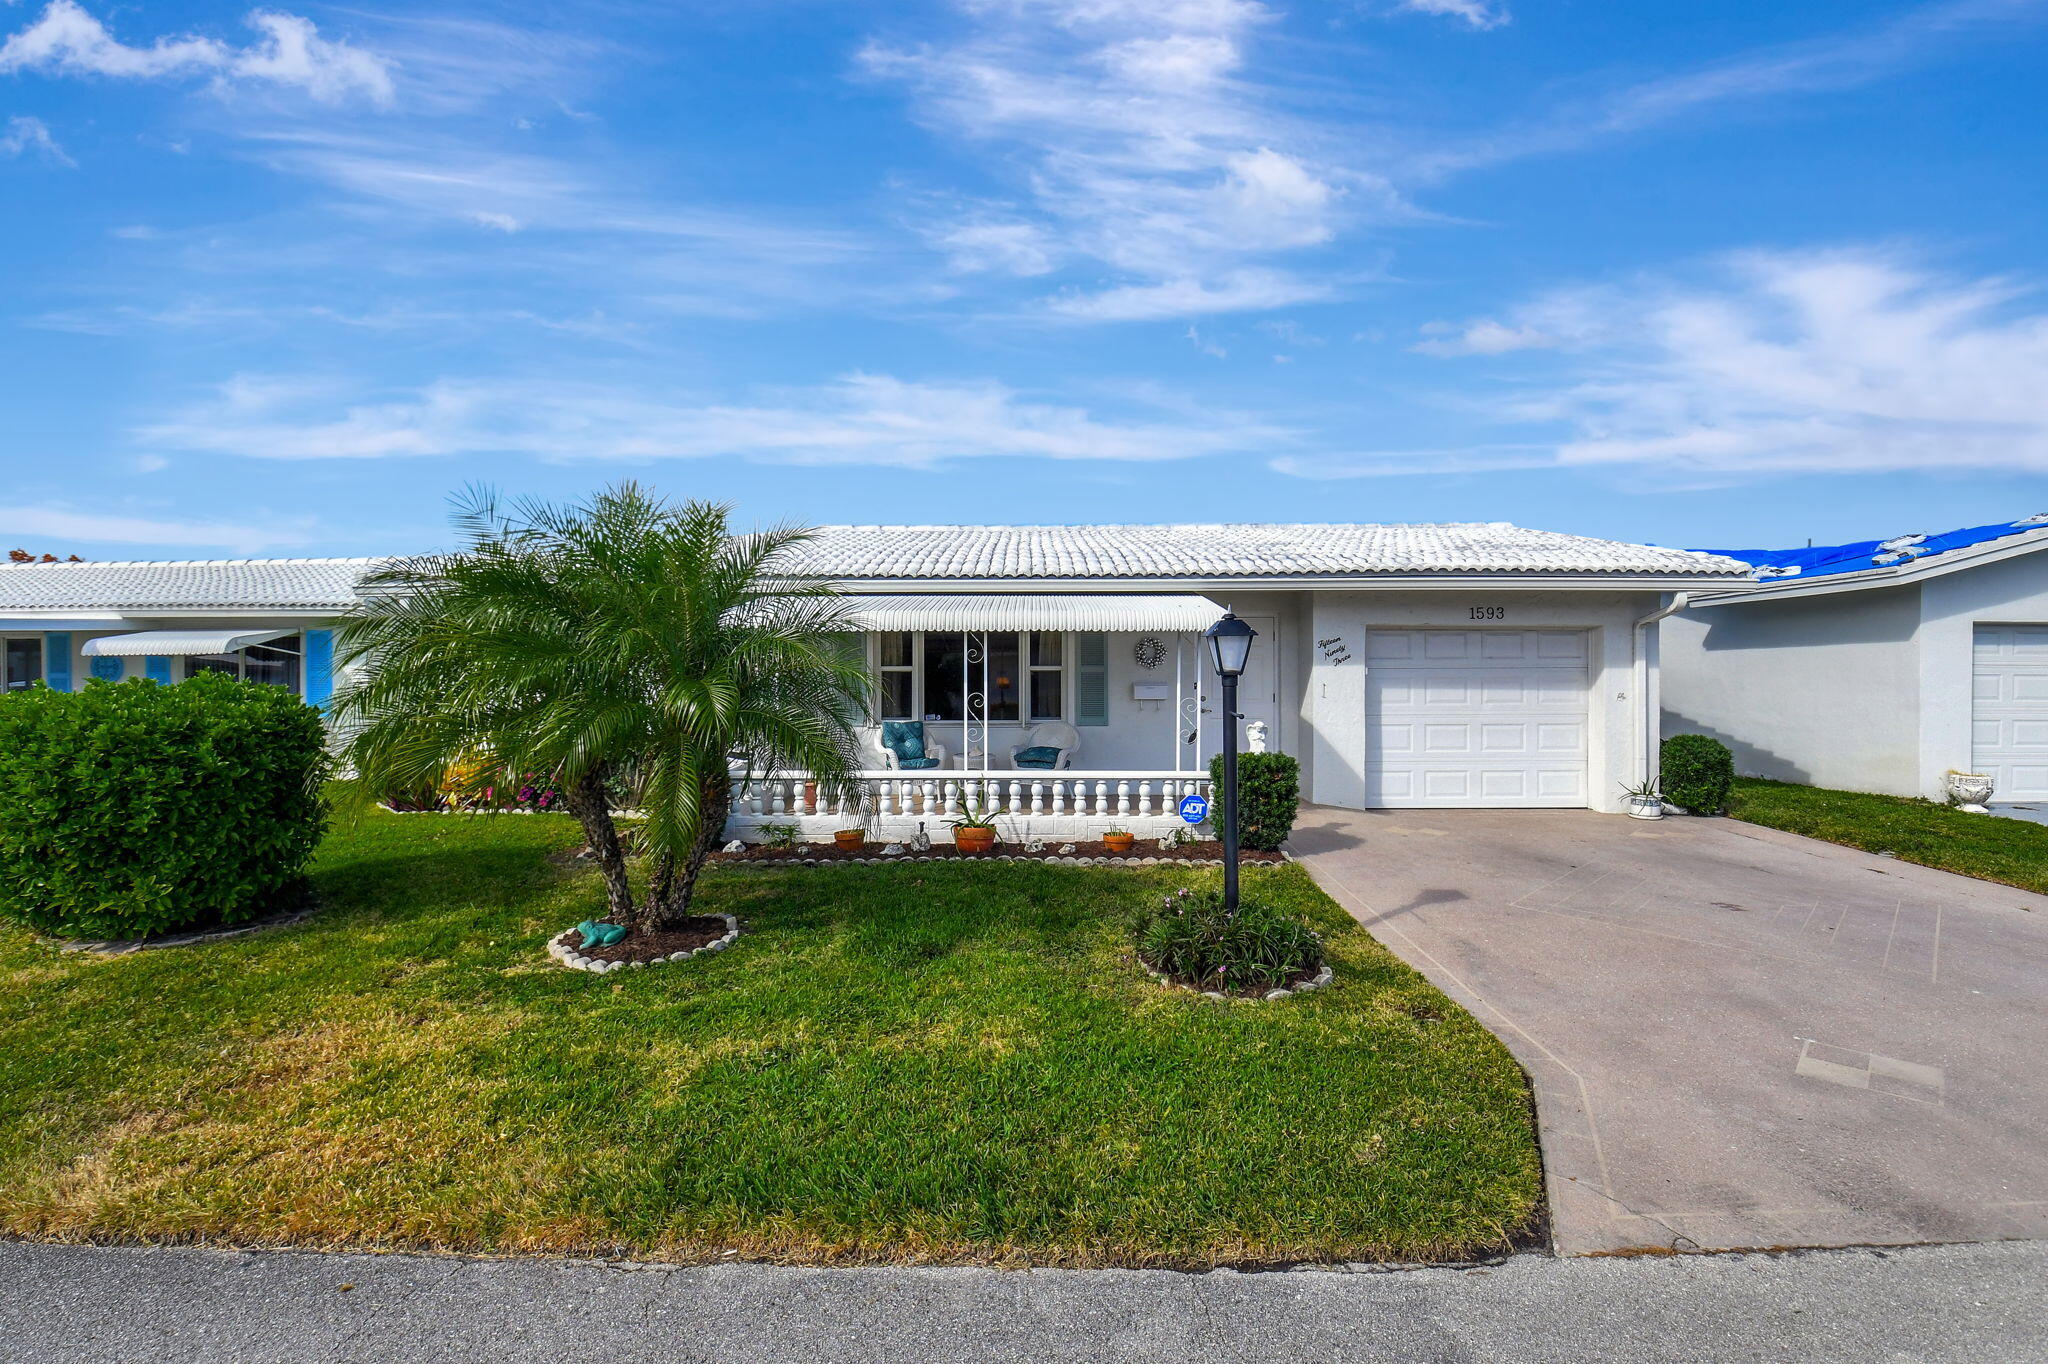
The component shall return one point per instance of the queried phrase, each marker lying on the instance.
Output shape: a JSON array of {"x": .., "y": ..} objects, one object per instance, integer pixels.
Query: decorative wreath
[{"x": 1150, "y": 652}]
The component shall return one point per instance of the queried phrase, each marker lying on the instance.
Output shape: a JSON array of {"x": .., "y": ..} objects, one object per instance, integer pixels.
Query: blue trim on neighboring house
[
  {"x": 109, "y": 669},
  {"x": 157, "y": 668},
  {"x": 57, "y": 660},
  {"x": 319, "y": 660}
]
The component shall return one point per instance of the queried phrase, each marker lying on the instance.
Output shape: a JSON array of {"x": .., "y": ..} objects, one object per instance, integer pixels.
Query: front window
[
  {"x": 24, "y": 663},
  {"x": 927, "y": 675},
  {"x": 274, "y": 664}
]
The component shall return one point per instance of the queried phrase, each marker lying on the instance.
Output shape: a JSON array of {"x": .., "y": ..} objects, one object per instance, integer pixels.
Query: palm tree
[{"x": 625, "y": 637}]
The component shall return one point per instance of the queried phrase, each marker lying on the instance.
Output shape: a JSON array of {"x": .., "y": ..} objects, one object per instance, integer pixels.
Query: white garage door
[
  {"x": 2009, "y": 710},
  {"x": 1475, "y": 718}
]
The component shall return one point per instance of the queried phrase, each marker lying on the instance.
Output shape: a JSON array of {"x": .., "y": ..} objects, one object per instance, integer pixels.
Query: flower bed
[{"x": 1092, "y": 851}]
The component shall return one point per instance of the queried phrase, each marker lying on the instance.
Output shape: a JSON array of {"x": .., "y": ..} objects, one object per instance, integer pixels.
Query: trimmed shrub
[
  {"x": 1268, "y": 794},
  {"x": 1697, "y": 773},
  {"x": 1193, "y": 939},
  {"x": 131, "y": 808}
]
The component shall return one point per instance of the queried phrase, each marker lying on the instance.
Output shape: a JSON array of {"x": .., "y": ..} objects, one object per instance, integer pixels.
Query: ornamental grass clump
[
  {"x": 1193, "y": 939},
  {"x": 128, "y": 809}
]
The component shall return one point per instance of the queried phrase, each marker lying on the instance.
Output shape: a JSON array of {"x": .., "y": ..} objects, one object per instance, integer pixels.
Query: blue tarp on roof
[{"x": 1816, "y": 561}]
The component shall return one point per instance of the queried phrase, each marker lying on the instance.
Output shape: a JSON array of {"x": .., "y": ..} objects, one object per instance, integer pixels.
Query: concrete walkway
[
  {"x": 1738, "y": 1038},
  {"x": 85, "y": 1305}
]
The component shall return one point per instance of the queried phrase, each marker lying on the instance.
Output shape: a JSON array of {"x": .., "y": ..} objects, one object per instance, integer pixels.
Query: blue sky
[{"x": 279, "y": 280}]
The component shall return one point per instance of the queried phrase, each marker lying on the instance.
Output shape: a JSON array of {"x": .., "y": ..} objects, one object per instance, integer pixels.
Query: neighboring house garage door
[
  {"x": 1477, "y": 718},
  {"x": 2009, "y": 715}
]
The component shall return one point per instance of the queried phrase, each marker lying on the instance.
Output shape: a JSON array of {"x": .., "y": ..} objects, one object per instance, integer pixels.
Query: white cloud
[
  {"x": 61, "y": 529},
  {"x": 1236, "y": 291},
  {"x": 1835, "y": 61},
  {"x": 1008, "y": 247},
  {"x": 859, "y": 419},
  {"x": 67, "y": 40},
  {"x": 25, "y": 134},
  {"x": 1480, "y": 459},
  {"x": 1484, "y": 337},
  {"x": 1139, "y": 142},
  {"x": 1848, "y": 361},
  {"x": 1477, "y": 13}
]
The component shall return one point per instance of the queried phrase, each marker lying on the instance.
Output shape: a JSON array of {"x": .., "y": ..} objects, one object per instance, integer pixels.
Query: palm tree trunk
[
  {"x": 591, "y": 804},
  {"x": 716, "y": 804},
  {"x": 662, "y": 884}
]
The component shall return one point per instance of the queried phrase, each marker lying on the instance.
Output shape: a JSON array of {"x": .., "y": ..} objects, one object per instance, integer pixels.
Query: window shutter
[
  {"x": 57, "y": 660},
  {"x": 1091, "y": 680},
  {"x": 319, "y": 651},
  {"x": 157, "y": 668}
]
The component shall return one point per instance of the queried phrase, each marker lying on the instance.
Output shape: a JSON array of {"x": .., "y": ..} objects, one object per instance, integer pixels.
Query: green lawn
[
  {"x": 2008, "y": 850},
  {"x": 953, "y": 1063}
]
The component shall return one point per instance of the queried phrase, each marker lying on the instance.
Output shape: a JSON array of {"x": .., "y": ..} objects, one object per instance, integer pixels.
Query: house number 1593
[{"x": 1489, "y": 612}]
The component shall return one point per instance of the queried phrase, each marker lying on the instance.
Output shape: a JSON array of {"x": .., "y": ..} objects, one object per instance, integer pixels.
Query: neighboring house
[
  {"x": 1876, "y": 666},
  {"x": 1478, "y": 665}
]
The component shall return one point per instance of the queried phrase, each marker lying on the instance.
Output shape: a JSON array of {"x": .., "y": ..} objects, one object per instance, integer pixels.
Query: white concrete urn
[{"x": 1969, "y": 791}]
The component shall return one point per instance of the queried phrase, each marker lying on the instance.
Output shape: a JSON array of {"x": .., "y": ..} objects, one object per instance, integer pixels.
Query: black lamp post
[{"x": 1230, "y": 644}]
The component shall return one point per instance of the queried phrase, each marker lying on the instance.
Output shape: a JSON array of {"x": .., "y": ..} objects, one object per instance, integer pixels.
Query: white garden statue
[{"x": 1255, "y": 736}]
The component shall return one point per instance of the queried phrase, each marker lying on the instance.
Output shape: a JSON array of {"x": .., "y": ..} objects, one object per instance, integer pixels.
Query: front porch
[{"x": 1009, "y": 705}]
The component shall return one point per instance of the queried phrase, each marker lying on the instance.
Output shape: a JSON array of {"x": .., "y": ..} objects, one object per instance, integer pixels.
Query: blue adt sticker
[{"x": 1194, "y": 809}]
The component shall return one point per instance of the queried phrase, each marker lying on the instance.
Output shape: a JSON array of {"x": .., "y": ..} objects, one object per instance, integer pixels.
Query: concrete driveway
[{"x": 1738, "y": 1038}]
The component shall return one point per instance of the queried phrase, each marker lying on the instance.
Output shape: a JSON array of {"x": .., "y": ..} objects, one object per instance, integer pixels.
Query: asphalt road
[{"x": 88, "y": 1305}]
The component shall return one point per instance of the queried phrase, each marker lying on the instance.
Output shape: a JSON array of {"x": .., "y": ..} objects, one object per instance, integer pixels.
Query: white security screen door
[
  {"x": 2009, "y": 710},
  {"x": 1477, "y": 719}
]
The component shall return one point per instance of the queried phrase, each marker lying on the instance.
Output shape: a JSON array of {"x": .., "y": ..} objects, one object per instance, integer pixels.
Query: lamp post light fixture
[{"x": 1230, "y": 645}]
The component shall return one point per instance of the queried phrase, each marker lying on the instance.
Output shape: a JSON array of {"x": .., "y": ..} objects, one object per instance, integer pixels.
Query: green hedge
[
  {"x": 132, "y": 808},
  {"x": 1696, "y": 773},
  {"x": 1268, "y": 794}
]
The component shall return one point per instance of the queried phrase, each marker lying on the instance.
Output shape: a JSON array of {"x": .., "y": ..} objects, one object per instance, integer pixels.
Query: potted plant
[
  {"x": 1644, "y": 801},
  {"x": 1119, "y": 841},
  {"x": 975, "y": 832},
  {"x": 1969, "y": 790},
  {"x": 850, "y": 840}
]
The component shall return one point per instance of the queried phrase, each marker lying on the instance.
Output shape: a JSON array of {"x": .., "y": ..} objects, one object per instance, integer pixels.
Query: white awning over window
[
  {"x": 1017, "y": 611},
  {"x": 178, "y": 643}
]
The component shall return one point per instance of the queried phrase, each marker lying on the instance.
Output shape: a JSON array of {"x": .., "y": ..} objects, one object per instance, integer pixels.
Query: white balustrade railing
[{"x": 1053, "y": 802}]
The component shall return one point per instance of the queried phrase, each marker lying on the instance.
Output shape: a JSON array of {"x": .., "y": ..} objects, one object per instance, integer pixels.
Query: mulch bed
[
  {"x": 1208, "y": 850},
  {"x": 694, "y": 932}
]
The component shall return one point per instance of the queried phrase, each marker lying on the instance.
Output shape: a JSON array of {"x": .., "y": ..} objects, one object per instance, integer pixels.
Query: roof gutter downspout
[{"x": 1648, "y": 697}]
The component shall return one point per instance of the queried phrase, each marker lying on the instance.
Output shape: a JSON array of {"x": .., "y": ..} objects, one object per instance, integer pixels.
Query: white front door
[
  {"x": 1258, "y": 690},
  {"x": 1475, "y": 718},
  {"x": 2009, "y": 710}
]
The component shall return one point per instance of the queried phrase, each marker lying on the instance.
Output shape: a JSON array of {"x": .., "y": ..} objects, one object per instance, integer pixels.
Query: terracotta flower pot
[
  {"x": 1119, "y": 843},
  {"x": 850, "y": 840},
  {"x": 974, "y": 840}
]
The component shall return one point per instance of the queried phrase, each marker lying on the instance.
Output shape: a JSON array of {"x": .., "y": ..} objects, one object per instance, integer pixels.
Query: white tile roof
[
  {"x": 262, "y": 584},
  {"x": 882, "y": 553},
  {"x": 1232, "y": 551}
]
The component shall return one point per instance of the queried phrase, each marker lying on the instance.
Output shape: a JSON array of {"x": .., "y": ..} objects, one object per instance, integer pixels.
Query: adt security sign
[{"x": 1194, "y": 809}]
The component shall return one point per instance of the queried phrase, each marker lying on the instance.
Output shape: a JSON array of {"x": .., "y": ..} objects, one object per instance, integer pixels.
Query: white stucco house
[
  {"x": 1471, "y": 665},
  {"x": 1876, "y": 666}
]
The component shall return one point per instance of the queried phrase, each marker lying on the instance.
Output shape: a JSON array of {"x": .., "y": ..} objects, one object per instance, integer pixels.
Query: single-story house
[
  {"x": 1472, "y": 665},
  {"x": 1876, "y": 666}
]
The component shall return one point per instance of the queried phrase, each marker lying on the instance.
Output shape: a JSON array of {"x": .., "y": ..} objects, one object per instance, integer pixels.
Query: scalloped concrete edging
[
  {"x": 121, "y": 947},
  {"x": 576, "y": 961},
  {"x": 1318, "y": 981}
]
